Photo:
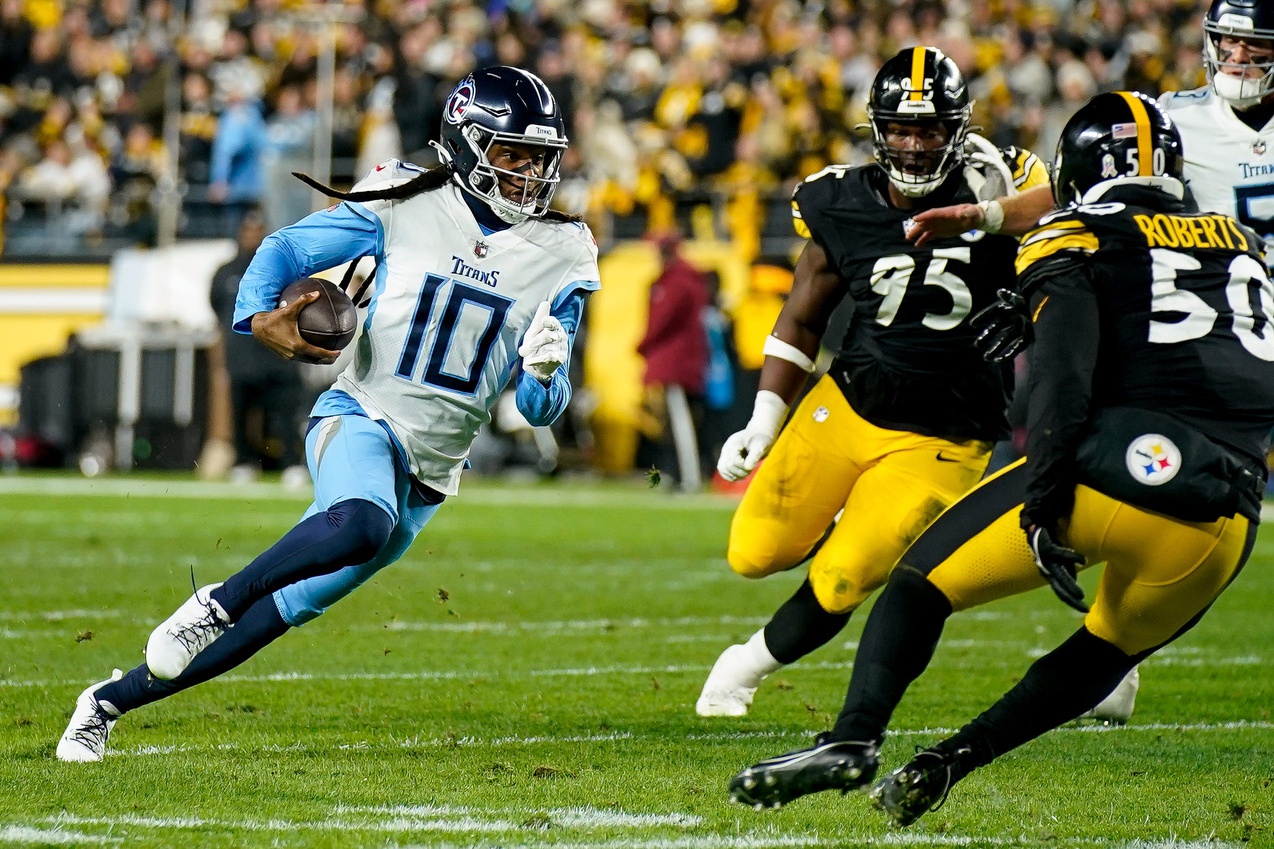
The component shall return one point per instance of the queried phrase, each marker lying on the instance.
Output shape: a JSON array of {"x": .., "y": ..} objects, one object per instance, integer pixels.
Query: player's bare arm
[
  {"x": 790, "y": 351},
  {"x": 277, "y": 330},
  {"x": 1014, "y": 217},
  {"x": 816, "y": 289}
]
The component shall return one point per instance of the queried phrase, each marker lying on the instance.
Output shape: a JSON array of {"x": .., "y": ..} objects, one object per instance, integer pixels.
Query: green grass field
[{"x": 526, "y": 676}]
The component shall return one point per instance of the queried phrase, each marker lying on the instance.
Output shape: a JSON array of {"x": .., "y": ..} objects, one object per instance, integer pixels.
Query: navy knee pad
[{"x": 363, "y": 528}]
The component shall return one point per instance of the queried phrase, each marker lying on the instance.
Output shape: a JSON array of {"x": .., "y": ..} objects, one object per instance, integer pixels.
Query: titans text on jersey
[
  {"x": 436, "y": 350},
  {"x": 1229, "y": 167}
]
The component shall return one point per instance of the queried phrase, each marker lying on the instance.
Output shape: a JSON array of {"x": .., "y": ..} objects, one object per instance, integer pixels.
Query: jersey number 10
[{"x": 474, "y": 334}]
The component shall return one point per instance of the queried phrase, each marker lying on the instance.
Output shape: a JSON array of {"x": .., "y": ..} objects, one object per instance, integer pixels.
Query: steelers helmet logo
[
  {"x": 459, "y": 102},
  {"x": 1153, "y": 459}
]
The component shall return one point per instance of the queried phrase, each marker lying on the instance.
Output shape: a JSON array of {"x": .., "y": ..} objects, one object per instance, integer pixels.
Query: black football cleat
[
  {"x": 842, "y": 765},
  {"x": 918, "y": 787}
]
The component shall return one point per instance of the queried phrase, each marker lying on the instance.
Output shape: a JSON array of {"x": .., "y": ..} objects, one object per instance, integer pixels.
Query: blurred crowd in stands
[{"x": 672, "y": 105}]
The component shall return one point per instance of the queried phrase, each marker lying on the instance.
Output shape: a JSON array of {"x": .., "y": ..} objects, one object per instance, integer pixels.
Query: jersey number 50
[
  {"x": 1199, "y": 316},
  {"x": 891, "y": 274}
]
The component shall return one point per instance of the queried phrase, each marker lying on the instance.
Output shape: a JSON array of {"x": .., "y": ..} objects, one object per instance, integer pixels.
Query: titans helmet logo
[{"x": 459, "y": 102}]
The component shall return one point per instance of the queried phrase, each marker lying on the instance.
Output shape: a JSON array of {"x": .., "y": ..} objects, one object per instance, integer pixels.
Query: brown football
[{"x": 328, "y": 322}]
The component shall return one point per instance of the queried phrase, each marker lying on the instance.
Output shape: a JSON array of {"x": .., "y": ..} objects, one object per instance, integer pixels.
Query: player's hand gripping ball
[{"x": 329, "y": 321}]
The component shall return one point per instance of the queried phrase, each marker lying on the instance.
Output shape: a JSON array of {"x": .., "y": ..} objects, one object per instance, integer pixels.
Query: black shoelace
[
  {"x": 947, "y": 764},
  {"x": 191, "y": 635},
  {"x": 92, "y": 734}
]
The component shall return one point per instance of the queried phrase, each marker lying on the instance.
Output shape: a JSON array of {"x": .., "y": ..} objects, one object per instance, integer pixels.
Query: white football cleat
[
  {"x": 195, "y": 626},
  {"x": 731, "y": 684},
  {"x": 84, "y": 740},
  {"x": 1116, "y": 709}
]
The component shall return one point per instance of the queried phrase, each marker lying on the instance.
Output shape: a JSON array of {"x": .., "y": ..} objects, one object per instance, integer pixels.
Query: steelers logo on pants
[{"x": 1152, "y": 459}]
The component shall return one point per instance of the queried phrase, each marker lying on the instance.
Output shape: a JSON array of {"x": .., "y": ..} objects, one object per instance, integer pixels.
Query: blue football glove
[
  {"x": 1004, "y": 328},
  {"x": 1058, "y": 564}
]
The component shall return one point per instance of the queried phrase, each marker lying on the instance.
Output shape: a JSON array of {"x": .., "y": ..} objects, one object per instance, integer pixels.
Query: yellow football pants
[
  {"x": 890, "y": 484},
  {"x": 1161, "y": 573}
]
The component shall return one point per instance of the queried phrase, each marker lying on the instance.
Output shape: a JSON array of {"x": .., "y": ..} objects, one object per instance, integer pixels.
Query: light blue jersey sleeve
[
  {"x": 542, "y": 404},
  {"x": 315, "y": 243}
]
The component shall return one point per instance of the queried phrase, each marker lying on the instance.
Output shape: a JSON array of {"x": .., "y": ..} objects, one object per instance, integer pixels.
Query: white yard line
[
  {"x": 551, "y": 496},
  {"x": 565, "y": 625},
  {"x": 1177, "y": 844},
  {"x": 583, "y": 816},
  {"x": 779, "y": 841},
  {"x": 59, "y": 615},
  {"x": 439, "y": 675},
  {"x": 399, "y": 824},
  {"x": 568, "y": 672},
  {"x": 725, "y": 736},
  {"x": 404, "y": 818},
  {"x": 50, "y": 836},
  {"x": 439, "y": 819}
]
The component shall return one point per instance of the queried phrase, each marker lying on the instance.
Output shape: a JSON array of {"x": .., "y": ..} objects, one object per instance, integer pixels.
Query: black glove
[
  {"x": 1057, "y": 564},
  {"x": 1004, "y": 328}
]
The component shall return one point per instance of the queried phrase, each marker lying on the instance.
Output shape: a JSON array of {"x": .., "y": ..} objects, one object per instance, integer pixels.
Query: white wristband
[
  {"x": 776, "y": 347},
  {"x": 768, "y": 413},
  {"x": 992, "y": 216}
]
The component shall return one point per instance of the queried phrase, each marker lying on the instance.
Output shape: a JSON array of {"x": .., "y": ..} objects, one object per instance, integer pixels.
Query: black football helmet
[
  {"x": 503, "y": 105},
  {"x": 1248, "y": 19},
  {"x": 917, "y": 86},
  {"x": 1120, "y": 137}
]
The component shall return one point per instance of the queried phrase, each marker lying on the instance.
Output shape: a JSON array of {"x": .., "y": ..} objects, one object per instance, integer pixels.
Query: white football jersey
[
  {"x": 1229, "y": 167},
  {"x": 451, "y": 306}
]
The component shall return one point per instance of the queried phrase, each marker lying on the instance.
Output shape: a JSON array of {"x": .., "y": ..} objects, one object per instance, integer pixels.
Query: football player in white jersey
[
  {"x": 1228, "y": 134},
  {"x": 1226, "y": 127},
  {"x": 477, "y": 280}
]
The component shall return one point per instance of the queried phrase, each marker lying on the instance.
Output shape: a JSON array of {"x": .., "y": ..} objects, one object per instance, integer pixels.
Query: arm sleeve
[
  {"x": 317, "y": 242},
  {"x": 1060, "y": 388},
  {"x": 542, "y": 404}
]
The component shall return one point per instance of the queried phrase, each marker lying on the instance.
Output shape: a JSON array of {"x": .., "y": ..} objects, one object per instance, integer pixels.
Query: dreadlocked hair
[{"x": 432, "y": 178}]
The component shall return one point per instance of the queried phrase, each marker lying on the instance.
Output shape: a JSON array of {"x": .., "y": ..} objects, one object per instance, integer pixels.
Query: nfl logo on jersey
[{"x": 481, "y": 249}]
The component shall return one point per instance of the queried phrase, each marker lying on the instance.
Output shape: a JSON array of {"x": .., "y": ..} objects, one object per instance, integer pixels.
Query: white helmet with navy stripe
[{"x": 1242, "y": 84}]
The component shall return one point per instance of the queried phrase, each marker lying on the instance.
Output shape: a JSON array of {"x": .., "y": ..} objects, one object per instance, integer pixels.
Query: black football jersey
[
  {"x": 908, "y": 361},
  {"x": 1185, "y": 313}
]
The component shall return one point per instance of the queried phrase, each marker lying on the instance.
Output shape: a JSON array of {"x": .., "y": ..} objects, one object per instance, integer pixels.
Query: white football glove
[
  {"x": 544, "y": 348},
  {"x": 743, "y": 450}
]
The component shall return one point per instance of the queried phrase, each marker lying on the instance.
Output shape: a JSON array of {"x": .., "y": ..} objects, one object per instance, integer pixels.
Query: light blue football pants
[{"x": 354, "y": 457}]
